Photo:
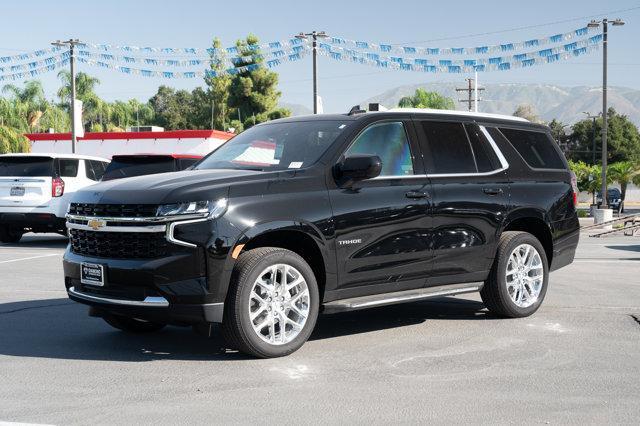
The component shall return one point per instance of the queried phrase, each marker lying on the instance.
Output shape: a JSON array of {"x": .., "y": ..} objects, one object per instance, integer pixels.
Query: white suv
[{"x": 35, "y": 190}]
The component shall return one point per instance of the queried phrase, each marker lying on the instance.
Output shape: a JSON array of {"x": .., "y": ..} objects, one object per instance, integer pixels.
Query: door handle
[
  {"x": 416, "y": 194},
  {"x": 492, "y": 191}
]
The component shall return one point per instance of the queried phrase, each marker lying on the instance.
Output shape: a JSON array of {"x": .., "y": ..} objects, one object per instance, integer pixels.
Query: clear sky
[{"x": 33, "y": 24}]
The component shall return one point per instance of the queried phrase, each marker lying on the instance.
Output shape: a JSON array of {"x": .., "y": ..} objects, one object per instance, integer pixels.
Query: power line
[{"x": 526, "y": 27}]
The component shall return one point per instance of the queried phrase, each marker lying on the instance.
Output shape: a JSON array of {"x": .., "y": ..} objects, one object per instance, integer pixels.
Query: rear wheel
[
  {"x": 10, "y": 234},
  {"x": 519, "y": 277},
  {"x": 132, "y": 325},
  {"x": 272, "y": 304}
]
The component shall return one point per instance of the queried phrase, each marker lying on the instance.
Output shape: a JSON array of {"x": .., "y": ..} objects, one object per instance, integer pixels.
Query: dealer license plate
[{"x": 92, "y": 274}]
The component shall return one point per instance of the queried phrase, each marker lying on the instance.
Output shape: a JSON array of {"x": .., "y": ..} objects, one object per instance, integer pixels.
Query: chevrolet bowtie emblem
[{"x": 96, "y": 224}]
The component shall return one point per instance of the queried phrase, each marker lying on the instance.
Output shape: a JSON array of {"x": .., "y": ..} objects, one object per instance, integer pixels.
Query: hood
[{"x": 167, "y": 188}]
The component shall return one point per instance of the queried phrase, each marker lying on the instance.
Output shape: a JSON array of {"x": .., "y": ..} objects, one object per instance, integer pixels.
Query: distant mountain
[
  {"x": 563, "y": 103},
  {"x": 296, "y": 109}
]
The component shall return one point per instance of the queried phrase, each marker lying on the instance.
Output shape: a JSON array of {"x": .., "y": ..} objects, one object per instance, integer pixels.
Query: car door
[
  {"x": 469, "y": 198},
  {"x": 381, "y": 224}
]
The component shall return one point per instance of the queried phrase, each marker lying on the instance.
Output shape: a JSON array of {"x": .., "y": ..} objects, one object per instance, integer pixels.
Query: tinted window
[
  {"x": 68, "y": 168},
  {"x": 389, "y": 142},
  {"x": 122, "y": 167},
  {"x": 187, "y": 162},
  {"x": 447, "y": 148},
  {"x": 535, "y": 147},
  {"x": 26, "y": 166},
  {"x": 99, "y": 167},
  {"x": 94, "y": 169},
  {"x": 276, "y": 146},
  {"x": 486, "y": 158}
]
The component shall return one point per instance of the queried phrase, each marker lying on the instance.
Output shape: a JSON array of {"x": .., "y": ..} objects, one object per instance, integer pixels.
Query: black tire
[
  {"x": 132, "y": 325},
  {"x": 237, "y": 328},
  {"x": 10, "y": 234},
  {"x": 495, "y": 294}
]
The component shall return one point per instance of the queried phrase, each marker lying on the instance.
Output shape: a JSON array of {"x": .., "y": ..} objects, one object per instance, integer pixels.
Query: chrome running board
[
  {"x": 413, "y": 295},
  {"x": 157, "y": 302}
]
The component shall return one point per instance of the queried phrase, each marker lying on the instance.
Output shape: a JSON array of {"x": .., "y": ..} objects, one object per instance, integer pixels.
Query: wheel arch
[
  {"x": 535, "y": 223},
  {"x": 301, "y": 238}
]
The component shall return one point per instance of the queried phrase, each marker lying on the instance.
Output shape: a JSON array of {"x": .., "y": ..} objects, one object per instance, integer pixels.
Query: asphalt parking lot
[{"x": 577, "y": 360}]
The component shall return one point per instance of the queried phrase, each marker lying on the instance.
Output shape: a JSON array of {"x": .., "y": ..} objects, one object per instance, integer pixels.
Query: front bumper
[{"x": 170, "y": 290}]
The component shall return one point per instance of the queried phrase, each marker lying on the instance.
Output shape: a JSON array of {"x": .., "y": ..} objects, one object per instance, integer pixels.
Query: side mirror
[{"x": 357, "y": 167}]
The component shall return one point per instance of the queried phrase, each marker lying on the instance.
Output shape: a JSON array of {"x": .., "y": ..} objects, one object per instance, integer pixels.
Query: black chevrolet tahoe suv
[{"x": 327, "y": 213}]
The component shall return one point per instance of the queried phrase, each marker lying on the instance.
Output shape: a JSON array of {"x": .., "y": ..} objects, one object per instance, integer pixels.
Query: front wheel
[
  {"x": 132, "y": 325},
  {"x": 272, "y": 304},
  {"x": 519, "y": 277}
]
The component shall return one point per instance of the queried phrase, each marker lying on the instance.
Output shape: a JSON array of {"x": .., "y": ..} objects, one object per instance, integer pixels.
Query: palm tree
[
  {"x": 623, "y": 173},
  {"x": 85, "y": 91},
  {"x": 26, "y": 106}
]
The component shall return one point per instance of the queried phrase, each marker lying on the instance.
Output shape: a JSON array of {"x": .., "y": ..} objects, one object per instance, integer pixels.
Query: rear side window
[
  {"x": 447, "y": 148},
  {"x": 486, "y": 158},
  {"x": 535, "y": 147},
  {"x": 26, "y": 166},
  {"x": 67, "y": 167},
  {"x": 389, "y": 142},
  {"x": 94, "y": 169}
]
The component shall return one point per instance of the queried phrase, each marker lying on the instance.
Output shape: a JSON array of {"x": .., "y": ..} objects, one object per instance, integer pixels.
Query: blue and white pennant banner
[
  {"x": 193, "y": 62},
  {"x": 189, "y": 74},
  {"x": 29, "y": 55},
  {"x": 233, "y": 50},
  {"x": 33, "y": 65},
  {"x": 448, "y": 66},
  {"x": 478, "y": 50},
  {"x": 60, "y": 62},
  {"x": 480, "y": 64}
]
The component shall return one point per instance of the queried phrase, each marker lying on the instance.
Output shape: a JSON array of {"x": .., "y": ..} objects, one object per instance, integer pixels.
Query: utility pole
[
  {"x": 472, "y": 91},
  {"x": 71, "y": 43},
  {"x": 605, "y": 35},
  {"x": 593, "y": 134},
  {"x": 212, "y": 107},
  {"x": 314, "y": 44}
]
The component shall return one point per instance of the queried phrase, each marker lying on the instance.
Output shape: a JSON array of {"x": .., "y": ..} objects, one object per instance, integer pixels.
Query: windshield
[
  {"x": 26, "y": 166},
  {"x": 276, "y": 146},
  {"x": 138, "y": 166}
]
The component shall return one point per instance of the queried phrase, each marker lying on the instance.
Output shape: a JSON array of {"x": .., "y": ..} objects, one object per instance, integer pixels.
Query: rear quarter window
[
  {"x": 67, "y": 167},
  {"x": 536, "y": 148}
]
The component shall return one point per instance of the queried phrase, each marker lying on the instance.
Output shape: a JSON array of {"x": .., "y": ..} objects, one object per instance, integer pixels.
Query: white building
[{"x": 107, "y": 144}]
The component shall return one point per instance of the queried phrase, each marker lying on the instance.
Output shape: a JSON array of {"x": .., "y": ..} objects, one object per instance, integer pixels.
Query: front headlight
[{"x": 210, "y": 209}]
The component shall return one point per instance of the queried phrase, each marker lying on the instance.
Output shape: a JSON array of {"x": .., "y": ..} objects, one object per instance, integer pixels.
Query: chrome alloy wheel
[
  {"x": 279, "y": 304},
  {"x": 524, "y": 275}
]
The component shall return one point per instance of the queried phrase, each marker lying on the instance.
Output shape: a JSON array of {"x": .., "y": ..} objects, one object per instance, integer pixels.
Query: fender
[{"x": 251, "y": 232}]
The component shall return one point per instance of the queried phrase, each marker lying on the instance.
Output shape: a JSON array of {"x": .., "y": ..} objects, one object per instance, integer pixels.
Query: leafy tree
[
  {"x": 424, "y": 99},
  {"x": 85, "y": 91},
  {"x": 623, "y": 139},
  {"x": 527, "y": 112},
  {"x": 218, "y": 88},
  {"x": 253, "y": 95},
  {"x": 12, "y": 141}
]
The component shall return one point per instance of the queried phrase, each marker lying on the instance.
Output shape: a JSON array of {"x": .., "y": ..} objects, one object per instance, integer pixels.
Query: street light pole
[
  {"x": 71, "y": 43},
  {"x": 605, "y": 42},
  {"x": 314, "y": 44}
]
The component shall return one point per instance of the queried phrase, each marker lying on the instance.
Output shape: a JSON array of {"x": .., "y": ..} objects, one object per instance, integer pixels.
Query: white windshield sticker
[
  {"x": 342, "y": 126},
  {"x": 295, "y": 165}
]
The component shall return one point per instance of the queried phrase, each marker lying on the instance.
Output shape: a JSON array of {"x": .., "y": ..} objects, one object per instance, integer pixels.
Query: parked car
[
  {"x": 35, "y": 190},
  {"x": 130, "y": 165},
  {"x": 614, "y": 199},
  {"x": 328, "y": 213}
]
